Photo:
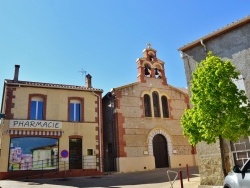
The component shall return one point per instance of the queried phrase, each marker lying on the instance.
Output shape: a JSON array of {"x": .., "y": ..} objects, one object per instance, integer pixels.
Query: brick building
[
  {"x": 50, "y": 128},
  {"x": 141, "y": 121},
  {"x": 230, "y": 42}
]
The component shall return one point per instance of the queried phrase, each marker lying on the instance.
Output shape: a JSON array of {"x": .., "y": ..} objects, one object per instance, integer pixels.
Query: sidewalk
[{"x": 192, "y": 183}]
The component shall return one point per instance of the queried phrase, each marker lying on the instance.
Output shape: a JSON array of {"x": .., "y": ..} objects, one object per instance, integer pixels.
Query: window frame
[
  {"x": 165, "y": 107},
  {"x": 147, "y": 105},
  {"x": 156, "y": 104},
  {"x": 81, "y": 108},
  {"x": 42, "y": 98}
]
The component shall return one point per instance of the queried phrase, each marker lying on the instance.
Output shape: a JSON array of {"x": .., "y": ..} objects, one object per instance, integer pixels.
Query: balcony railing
[{"x": 58, "y": 164}]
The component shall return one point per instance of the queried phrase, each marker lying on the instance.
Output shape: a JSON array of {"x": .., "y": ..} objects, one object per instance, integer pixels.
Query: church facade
[{"x": 141, "y": 121}]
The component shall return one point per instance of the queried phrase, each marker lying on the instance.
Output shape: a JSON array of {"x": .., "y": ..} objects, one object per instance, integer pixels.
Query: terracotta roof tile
[{"x": 51, "y": 85}]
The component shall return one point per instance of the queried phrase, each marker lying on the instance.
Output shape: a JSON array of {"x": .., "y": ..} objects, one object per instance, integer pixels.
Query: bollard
[
  {"x": 187, "y": 171},
  {"x": 181, "y": 180}
]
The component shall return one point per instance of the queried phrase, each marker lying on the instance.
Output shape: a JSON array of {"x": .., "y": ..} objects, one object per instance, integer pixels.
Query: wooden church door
[{"x": 160, "y": 151}]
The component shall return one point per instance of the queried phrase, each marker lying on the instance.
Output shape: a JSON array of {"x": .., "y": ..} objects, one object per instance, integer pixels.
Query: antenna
[{"x": 83, "y": 72}]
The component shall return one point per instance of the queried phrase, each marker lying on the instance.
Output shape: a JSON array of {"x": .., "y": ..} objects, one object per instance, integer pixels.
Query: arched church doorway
[{"x": 160, "y": 151}]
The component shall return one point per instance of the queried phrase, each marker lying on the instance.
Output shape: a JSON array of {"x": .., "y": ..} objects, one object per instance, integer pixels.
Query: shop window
[
  {"x": 156, "y": 104},
  {"x": 165, "y": 110},
  {"x": 33, "y": 153},
  {"x": 147, "y": 106}
]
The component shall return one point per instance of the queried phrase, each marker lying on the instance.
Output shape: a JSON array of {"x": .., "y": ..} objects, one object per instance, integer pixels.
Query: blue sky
[{"x": 53, "y": 40}]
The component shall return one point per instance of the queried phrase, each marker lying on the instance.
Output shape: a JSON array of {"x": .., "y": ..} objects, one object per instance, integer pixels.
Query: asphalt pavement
[{"x": 146, "y": 179}]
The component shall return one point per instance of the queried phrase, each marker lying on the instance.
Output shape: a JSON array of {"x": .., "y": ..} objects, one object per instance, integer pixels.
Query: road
[{"x": 146, "y": 179}]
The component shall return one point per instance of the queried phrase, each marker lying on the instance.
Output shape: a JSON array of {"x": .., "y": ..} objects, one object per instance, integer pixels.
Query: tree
[{"x": 219, "y": 109}]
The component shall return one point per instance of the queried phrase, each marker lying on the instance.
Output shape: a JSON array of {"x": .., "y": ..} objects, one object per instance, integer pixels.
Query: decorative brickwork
[
  {"x": 121, "y": 131},
  {"x": 75, "y": 136},
  {"x": 9, "y": 102}
]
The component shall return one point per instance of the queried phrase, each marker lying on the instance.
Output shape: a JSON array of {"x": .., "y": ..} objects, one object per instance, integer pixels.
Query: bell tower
[{"x": 150, "y": 67}]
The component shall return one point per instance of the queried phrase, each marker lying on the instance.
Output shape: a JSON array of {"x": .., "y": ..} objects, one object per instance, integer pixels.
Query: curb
[{"x": 210, "y": 186}]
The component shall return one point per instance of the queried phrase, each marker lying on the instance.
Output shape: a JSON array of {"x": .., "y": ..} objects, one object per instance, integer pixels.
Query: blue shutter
[
  {"x": 40, "y": 110},
  {"x": 33, "y": 110},
  {"x": 78, "y": 111},
  {"x": 71, "y": 112}
]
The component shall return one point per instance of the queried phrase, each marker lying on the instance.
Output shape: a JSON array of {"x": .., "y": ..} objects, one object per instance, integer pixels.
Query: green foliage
[{"x": 218, "y": 107}]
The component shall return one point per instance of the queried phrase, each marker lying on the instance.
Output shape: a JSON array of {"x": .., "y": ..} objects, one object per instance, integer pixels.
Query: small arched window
[
  {"x": 165, "y": 110},
  {"x": 156, "y": 104},
  {"x": 147, "y": 106}
]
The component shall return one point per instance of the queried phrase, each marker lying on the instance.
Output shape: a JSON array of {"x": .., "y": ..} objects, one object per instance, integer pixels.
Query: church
[{"x": 141, "y": 121}]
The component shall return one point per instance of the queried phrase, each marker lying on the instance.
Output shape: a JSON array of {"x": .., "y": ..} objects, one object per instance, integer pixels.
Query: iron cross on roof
[{"x": 148, "y": 45}]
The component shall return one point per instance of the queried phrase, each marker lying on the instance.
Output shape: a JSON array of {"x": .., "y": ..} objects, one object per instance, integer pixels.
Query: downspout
[
  {"x": 111, "y": 99},
  {"x": 3, "y": 95},
  {"x": 204, "y": 46},
  {"x": 185, "y": 58},
  {"x": 100, "y": 133}
]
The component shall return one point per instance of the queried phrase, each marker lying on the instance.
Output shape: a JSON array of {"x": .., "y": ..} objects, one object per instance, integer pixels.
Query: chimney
[
  {"x": 16, "y": 73},
  {"x": 88, "y": 81}
]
